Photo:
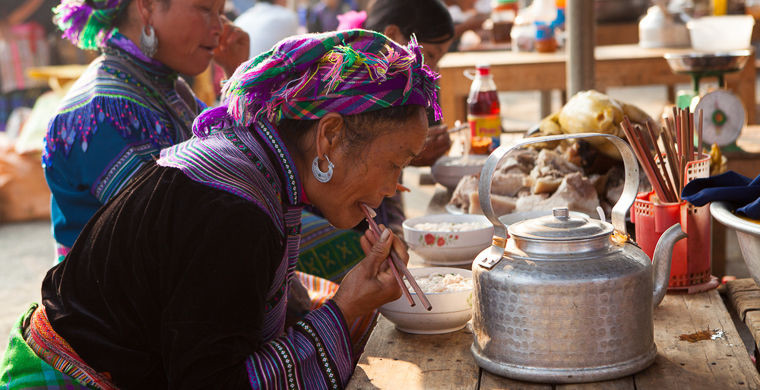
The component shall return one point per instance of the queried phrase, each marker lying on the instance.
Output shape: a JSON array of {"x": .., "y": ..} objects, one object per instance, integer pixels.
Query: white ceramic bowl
[
  {"x": 747, "y": 232},
  {"x": 448, "y": 170},
  {"x": 447, "y": 247},
  {"x": 721, "y": 33},
  {"x": 450, "y": 312}
]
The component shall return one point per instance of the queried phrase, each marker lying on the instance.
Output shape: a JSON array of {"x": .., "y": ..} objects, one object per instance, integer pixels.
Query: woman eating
[
  {"x": 185, "y": 278},
  {"x": 131, "y": 101}
]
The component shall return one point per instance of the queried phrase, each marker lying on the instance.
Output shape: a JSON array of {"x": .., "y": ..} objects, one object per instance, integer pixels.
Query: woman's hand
[
  {"x": 234, "y": 47},
  {"x": 370, "y": 284},
  {"x": 436, "y": 145}
]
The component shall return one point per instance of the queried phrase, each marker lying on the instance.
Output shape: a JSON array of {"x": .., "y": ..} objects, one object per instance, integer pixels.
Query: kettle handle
[{"x": 500, "y": 236}]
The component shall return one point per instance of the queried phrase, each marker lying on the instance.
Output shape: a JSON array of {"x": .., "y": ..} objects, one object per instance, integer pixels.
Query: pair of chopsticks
[
  {"x": 395, "y": 263},
  {"x": 677, "y": 139},
  {"x": 459, "y": 128}
]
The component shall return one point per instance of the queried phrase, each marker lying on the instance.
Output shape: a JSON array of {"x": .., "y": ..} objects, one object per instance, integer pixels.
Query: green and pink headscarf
[
  {"x": 88, "y": 23},
  {"x": 307, "y": 76}
]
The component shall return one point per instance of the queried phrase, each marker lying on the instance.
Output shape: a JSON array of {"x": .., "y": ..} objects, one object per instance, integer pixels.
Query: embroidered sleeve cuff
[{"x": 333, "y": 332}]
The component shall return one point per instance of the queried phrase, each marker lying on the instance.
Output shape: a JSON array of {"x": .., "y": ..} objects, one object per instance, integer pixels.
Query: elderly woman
[
  {"x": 183, "y": 279},
  {"x": 431, "y": 23},
  {"x": 131, "y": 102}
]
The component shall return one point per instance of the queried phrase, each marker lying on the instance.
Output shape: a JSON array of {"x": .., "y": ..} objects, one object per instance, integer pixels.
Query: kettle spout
[{"x": 661, "y": 260}]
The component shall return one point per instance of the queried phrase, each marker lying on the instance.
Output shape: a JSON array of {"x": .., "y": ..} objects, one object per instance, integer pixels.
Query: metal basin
[
  {"x": 747, "y": 232},
  {"x": 731, "y": 61}
]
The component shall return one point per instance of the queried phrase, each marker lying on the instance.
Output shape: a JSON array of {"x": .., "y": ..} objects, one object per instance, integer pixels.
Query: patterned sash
[{"x": 55, "y": 351}]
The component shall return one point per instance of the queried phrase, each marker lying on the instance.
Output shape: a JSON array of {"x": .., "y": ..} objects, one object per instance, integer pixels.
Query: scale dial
[{"x": 723, "y": 117}]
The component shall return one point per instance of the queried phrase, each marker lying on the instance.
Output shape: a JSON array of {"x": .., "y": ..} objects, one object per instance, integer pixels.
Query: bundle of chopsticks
[
  {"x": 677, "y": 136},
  {"x": 396, "y": 265}
]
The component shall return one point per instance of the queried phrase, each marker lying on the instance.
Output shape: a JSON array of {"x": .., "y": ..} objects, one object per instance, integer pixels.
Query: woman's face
[
  {"x": 368, "y": 175},
  {"x": 188, "y": 31},
  {"x": 434, "y": 51}
]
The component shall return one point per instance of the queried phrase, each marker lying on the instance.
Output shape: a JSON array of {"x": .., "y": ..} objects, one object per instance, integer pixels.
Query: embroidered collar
[{"x": 121, "y": 46}]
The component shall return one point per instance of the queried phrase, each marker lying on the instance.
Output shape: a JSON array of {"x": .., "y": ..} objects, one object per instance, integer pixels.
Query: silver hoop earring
[
  {"x": 322, "y": 177},
  {"x": 149, "y": 41}
]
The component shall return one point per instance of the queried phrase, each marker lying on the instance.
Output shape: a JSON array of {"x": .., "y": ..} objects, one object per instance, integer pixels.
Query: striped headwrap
[
  {"x": 308, "y": 76},
  {"x": 87, "y": 23}
]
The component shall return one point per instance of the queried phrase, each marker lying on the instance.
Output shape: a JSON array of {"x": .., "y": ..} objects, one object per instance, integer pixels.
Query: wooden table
[
  {"x": 744, "y": 298},
  {"x": 399, "y": 361},
  {"x": 616, "y": 65}
]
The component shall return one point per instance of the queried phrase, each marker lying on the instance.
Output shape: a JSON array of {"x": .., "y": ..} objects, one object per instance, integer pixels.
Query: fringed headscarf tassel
[{"x": 87, "y": 23}]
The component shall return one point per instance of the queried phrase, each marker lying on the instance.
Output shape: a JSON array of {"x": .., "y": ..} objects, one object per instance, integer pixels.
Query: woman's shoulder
[
  {"x": 106, "y": 96},
  {"x": 195, "y": 201},
  {"x": 106, "y": 79}
]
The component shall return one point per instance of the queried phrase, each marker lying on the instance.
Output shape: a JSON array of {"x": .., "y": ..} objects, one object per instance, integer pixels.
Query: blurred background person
[
  {"x": 267, "y": 22},
  {"x": 24, "y": 30},
  {"x": 323, "y": 15},
  {"x": 467, "y": 16},
  {"x": 131, "y": 102}
]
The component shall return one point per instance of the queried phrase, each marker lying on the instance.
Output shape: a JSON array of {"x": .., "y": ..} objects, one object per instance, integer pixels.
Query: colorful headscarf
[
  {"x": 308, "y": 76},
  {"x": 87, "y": 23}
]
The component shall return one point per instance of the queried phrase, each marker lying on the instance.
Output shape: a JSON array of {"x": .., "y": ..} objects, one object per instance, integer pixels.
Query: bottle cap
[{"x": 483, "y": 69}]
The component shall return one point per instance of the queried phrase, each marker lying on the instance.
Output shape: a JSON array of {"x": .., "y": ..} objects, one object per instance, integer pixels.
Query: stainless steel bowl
[
  {"x": 730, "y": 61},
  {"x": 747, "y": 232}
]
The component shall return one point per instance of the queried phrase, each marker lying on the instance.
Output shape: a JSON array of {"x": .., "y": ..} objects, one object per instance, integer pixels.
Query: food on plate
[
  {"x": 437, "y": 283},
  {"x": 576, "y": 176},
  {"x": 592, "y": 112},
  {"x": 576, "y": 192}
]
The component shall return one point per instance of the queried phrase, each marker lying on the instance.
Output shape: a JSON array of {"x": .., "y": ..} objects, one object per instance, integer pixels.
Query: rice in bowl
[{"x": 442, "y": 283}]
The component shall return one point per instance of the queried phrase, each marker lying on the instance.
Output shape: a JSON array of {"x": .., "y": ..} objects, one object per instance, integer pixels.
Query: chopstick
[
  {"x": 699, "y": 136},
  {"x": 402, "y": 188},
  {"x": 459, "y": 128},
  {"x": 667, "y": 142},
  {"x": 668, "y": 180},
  {"x": 651, "y": 136},
  {"x": 376, "y": 233},
  {"x": 646, "y": 163},
  {"x": 396, "y": 265}
]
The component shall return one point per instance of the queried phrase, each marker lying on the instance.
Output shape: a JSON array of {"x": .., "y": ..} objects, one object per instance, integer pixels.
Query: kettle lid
[{"x": 561, "y": 225}]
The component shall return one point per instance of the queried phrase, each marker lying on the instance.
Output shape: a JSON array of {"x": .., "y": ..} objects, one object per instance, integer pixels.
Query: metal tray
[{"x": 696, "y": 62}]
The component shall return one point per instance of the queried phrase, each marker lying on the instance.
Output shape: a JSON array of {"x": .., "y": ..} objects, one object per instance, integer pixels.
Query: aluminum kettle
[{"x": 565, "y": 298}]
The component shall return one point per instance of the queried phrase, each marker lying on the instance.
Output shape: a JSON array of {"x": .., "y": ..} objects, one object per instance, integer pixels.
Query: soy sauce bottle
[{"x": 483, "y": 112}]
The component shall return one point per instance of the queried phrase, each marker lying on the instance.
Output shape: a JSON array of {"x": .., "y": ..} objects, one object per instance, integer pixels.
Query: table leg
[
  {"x": 744, "y": 87},
  {"x": 545, "y": 103},
  {"x": 670, "y": 91}
]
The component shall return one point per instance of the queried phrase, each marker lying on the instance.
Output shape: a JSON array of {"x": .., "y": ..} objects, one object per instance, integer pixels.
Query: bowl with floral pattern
[{"x": 448, "y": 239}]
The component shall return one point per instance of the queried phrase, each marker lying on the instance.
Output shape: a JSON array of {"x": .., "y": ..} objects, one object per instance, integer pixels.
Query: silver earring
[
  {"x": 149, "y": 41},
  {"x": 323, "y": 177}
]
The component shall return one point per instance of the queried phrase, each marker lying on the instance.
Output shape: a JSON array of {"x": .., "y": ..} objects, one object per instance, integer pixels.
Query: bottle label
[{"x": 485, "y": 125}]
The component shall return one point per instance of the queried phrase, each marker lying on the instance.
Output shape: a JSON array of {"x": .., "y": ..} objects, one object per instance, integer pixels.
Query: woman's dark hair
[
  {"x": 122, "y": 15},
  {"x": 360, "y": 129},
  {"x": 429, "y": 20}
]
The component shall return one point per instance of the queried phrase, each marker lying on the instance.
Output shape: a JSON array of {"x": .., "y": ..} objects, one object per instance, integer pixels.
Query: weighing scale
[{"x": 723, "y": 112}]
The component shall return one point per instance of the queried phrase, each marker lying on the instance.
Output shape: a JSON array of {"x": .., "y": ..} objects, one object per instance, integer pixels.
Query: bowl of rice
[
  {"x": 449, "y": 291},
  {"x": 448, "y": 239}
]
